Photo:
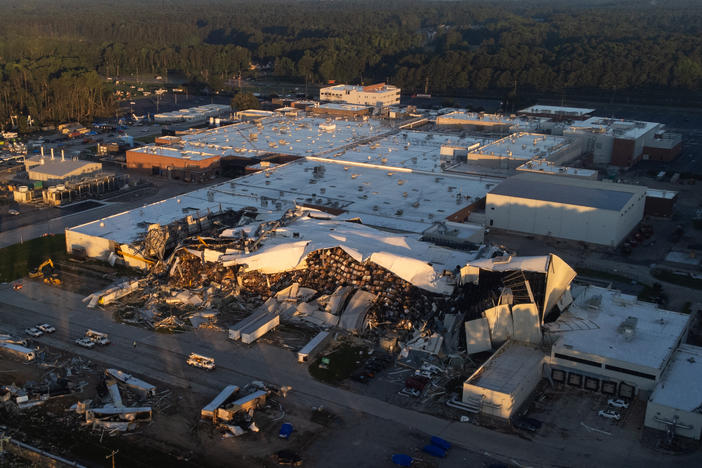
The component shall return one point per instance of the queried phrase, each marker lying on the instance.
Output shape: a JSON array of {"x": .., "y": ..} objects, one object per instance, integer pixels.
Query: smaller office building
[
  {"x": 585, "y": 210},
  {"x": 676, "y": 403},
  {"x": 377, "y": 95}
]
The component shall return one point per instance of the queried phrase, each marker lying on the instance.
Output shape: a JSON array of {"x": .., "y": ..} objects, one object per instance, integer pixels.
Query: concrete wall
[
  {"x": 552, "y": 219},
  {"x": 596, "y": 226},
  {"x": 95, "y": 247},
  {"x": 657, "y": 414}
]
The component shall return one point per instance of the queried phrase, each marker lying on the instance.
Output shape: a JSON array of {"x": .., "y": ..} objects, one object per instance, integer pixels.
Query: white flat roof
[
  {"x": 394, "y": 198},
  {"x": 557, "y": 110},
  {"x": 656, "y": 333},
  {"x": 508, "y": 368},
  {"x": 615, "y": 127},
  {"x": 550, "y": 168},
  {"x": 299, "y": 136},
  {"x": 127, "y": 226},
  {"x": 342, "y": 106},
  {"x": 525, "y": 146},
  {"x": 407, "y": 149},
  {"x": 391, "y": 199},
  {"x": 681, "y": 384},
  {"x": 478, "y": 117},
  {"x": 569, "y": 191},
  {"x": 656, "y": 193},
  {"x": 56, "y": 167}
]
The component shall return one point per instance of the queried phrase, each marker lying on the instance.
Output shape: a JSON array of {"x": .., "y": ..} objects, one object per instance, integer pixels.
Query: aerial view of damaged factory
[{"x": 337, "y": 284}]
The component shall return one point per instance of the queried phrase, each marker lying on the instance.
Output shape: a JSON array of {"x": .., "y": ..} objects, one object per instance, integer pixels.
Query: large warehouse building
[{"x": 583, "y": 210}]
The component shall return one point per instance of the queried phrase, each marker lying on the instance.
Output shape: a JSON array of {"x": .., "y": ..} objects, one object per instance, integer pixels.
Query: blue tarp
[
  {"x": 402, "y": 459},
  {"x": 285, "y": 430},
  {"x": 434, "y": 450},
  {"x": 439, "y": 442}
]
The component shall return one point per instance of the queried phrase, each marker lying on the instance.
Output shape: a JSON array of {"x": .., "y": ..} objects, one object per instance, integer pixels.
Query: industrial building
[
  {"x": 175, "y": 163},
  {"x": 612, "y": 343},
  {"x": 349, "y": 111},
  {"x": 557, "y": 113},
  {"x": 377, "y": 95},
  {"x": 547, "y": 167},
  {"x": 603, "y": 341},
  {"x": 52, "y": 170},
  {"x": 570, "y": 208},
  {"x": 513, "y": 150},
  {"x": 194, "y": 115},
  {"x": 660, "y": 202},
  {"x": 623, "y": 143},
  {"x": 675, "y": 406}
]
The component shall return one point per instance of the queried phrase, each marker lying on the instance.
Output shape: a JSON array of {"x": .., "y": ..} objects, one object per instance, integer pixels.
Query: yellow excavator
[{"x": 46, "y": 271}]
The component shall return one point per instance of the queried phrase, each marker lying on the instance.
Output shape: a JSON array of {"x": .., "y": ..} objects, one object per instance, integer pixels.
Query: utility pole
[{"x": 112, "y": 455}]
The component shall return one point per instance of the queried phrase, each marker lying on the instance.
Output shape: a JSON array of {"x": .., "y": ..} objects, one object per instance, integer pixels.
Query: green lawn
[{"x": 19, "y": 259}]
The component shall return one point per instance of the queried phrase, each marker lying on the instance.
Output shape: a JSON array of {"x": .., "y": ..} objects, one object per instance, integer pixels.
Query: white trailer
[
  {"x": 259, "y": 328},
  {"x": 18, "y": 350},
  {"x": 314, "y": 346}
]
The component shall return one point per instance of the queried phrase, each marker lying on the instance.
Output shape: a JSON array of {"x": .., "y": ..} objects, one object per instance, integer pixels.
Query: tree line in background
[{"x": 53, "y": 54}]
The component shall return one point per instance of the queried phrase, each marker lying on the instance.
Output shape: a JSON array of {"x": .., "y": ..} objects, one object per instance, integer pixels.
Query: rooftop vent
[{"x": 628, "y": 328}]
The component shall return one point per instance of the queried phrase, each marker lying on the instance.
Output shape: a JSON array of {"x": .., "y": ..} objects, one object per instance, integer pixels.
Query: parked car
[
  {"x": 610, "y": 414},
  {"x": 46, "y": 328},
  {"x": 17, "y": 285},
  {"x": 527, "y": 424},
  {"x": 13, "y": 212},
  {"x": 85, "y": 343},
  {"x": 33, "y": 332},
  {"x": 618, "y": 403}
]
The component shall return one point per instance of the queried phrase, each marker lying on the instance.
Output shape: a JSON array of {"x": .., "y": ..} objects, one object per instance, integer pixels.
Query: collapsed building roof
[
  {"x": 419, "y": 263},
  {"x": 542, "y": 280}
]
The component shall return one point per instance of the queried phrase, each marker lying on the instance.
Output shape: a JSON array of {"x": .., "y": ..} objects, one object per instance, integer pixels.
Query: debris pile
[{"x": 233, "y": 410}]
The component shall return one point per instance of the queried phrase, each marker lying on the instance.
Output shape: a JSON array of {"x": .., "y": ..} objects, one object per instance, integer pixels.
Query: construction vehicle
[
  {"x": 46, "y": 271},
  {"x": 198, "y": 360},
  {"x": 97, "y": 337}
]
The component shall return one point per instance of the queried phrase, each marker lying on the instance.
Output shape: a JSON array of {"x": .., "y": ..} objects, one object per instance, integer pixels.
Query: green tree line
[{"x": 546, "y": 46}]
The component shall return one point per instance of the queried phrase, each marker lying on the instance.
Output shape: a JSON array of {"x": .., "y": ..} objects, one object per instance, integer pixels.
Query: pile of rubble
[
  {"x": 233, "y": 410},
  {"x": 208, "y": 281}
]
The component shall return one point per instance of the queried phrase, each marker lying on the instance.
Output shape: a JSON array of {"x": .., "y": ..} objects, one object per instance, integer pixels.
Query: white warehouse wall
[{"x": 573, "y": 222}]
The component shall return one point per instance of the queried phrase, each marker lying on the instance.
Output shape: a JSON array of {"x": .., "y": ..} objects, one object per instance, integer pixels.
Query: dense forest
[{"x": 55, "y": 56}]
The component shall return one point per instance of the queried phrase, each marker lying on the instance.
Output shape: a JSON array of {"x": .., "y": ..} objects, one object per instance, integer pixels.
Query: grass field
[{"x": 19, "y": 259}]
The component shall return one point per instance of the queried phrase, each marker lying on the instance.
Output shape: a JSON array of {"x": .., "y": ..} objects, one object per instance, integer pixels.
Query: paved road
[{"x": 161, "y": 357}]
